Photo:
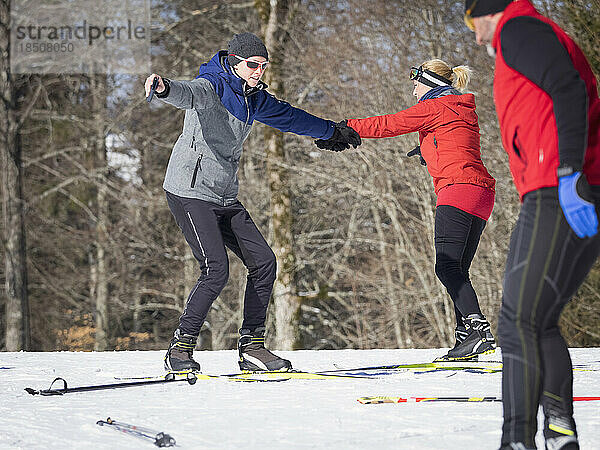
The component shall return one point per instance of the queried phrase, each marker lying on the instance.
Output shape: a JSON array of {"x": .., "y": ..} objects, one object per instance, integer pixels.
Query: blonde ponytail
[{"x": 459, "y": 75}]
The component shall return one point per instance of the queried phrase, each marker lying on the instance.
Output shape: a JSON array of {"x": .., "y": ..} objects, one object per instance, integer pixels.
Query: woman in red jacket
[{"x": 449, "y": 145}]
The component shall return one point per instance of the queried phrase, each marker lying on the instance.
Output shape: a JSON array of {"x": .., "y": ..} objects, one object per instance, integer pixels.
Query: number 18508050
[{"x": 46, "y": 47}]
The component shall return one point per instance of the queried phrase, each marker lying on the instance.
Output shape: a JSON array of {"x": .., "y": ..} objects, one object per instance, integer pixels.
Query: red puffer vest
[
  {"x": 448, "y": 133},
  {"x": 526, "y": 114}
]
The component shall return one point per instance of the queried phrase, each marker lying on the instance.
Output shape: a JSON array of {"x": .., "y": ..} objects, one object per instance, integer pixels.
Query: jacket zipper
[
  {"x": 246, "y": 123},
  {"x": 198, "y": 161}
]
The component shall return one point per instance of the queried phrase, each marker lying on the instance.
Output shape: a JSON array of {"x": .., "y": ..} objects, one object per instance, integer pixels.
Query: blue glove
[{"x": 576, "y": 202}]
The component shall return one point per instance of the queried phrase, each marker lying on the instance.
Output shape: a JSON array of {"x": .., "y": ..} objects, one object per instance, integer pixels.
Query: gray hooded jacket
[{"x": 220, "y": 109}]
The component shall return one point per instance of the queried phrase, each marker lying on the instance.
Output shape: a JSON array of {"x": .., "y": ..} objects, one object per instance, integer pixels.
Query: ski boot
[
  {"x": 478, "y": 341},
  {"x": 255, "y": 357},
  {"x": 516, "y": 446},
  {"x": 179, "y": 355},
  {"x": 460, "y": 334},
  {"x": 559, "y": 427}
]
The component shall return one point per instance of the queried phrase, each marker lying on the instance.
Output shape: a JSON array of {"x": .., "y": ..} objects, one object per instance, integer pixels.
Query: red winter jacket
[
  {"x": 448, "y": 134},
  {"x": 528, "y": 114}
]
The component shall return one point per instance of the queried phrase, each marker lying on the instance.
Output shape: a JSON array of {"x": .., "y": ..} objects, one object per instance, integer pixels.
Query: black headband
[{"x": 428, "y": 78}]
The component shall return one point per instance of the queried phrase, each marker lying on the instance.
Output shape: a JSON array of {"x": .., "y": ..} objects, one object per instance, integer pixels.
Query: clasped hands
[{"x": 343, "y": 137}]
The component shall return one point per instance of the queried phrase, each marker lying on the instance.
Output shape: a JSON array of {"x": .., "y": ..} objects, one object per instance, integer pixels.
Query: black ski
[
  {"x": 244, "y": 378},
  {"x": 159, "y": 438},
  {"x": 292, "y": 375},
  {"x": 472, "y": 366},
  {"x": 467, "y": 366},
  {"x": 265, "y": 376},
  {"x": 169, "y": 378}
]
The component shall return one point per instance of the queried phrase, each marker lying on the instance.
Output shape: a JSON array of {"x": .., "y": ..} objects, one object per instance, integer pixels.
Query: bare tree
[
  {"x": 99, "y": 260},
  {"x": 276, "y": 16},
  {"x": 17, "y": 336},
  {"x": 373, "y": 238},
  {"x": 353, "y": 231}
]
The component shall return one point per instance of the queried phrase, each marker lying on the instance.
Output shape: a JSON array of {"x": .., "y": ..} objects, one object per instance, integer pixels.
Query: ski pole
[
  {"x": 160, "y": 439},
  {"x": 382, "y": 399},
  {"x": 190, "y": 378},
  {"x": 152, "y": 89}
]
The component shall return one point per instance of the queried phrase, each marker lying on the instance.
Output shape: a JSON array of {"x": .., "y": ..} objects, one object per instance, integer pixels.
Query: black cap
[
  {"x": 485, "y": 7},
  {"x": 246, "y": 45}
]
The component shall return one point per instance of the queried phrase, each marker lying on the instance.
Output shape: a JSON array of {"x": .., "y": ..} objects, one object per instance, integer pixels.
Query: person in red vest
[
  {"x": 448, "y": 128},
  {"x": 549, "y": 112}
]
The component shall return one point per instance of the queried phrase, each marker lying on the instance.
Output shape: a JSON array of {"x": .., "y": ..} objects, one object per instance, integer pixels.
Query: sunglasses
[
  {"x": 428, "y": 78},
  {"x": 468, "y": 18},
  {"x": 252, "y": 64},
  {"x": 415, "y": 73}
]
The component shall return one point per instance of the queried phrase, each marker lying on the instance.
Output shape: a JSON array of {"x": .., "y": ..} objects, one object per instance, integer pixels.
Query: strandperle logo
[
  {"x": 80, "y": 36},
  {"x": 90, "y": 33}
]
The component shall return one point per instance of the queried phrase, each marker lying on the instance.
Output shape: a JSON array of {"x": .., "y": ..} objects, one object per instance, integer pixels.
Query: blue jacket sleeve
[{"x": 283, "y": 116}]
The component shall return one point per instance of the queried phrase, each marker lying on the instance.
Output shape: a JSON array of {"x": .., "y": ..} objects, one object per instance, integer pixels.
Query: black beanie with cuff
[
  {"x": 246, "y": 45},
  {"x": 485, "y": 7}
]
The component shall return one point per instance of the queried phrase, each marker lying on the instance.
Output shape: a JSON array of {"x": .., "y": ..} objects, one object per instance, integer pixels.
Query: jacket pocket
[
  {"x": 196, "y": 169},
  {"x": 193, "y": 141},
  {"x": 518, "y": 161},
  {"x": 516, "y": 145}
]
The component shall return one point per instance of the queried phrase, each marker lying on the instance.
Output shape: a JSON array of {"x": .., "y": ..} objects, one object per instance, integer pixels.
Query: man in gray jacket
[{"x": 201, "y": 186}]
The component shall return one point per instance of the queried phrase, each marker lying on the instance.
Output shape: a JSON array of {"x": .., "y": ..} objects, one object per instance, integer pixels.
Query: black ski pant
[
  {"x": 209, "y": 228},
  {"x": 546, "y": 264},
  {"x": 457, "y": 235}
]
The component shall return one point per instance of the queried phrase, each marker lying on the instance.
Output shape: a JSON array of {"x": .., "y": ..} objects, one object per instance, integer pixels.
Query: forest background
[{"x": 93, "y": 260}]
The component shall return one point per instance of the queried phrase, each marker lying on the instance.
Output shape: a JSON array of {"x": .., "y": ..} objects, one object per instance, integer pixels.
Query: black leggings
[
  {"x": 208, "y": 228},
  {"x": 457, "y": 236},
  {"x": 546, "y": 264}
]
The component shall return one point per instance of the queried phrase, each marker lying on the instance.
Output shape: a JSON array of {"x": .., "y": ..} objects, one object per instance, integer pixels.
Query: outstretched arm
[
  {"x": 283, "y": 116},
  {"x": 419, "y": 117},
  {"x": 182, "y": 94}
]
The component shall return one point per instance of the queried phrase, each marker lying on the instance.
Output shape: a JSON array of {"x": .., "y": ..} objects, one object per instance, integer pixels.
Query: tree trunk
[
  {"x": 17, "y": 336},
  {"x": 98, "y": 144},
  {"x": 274, "y": 16}
]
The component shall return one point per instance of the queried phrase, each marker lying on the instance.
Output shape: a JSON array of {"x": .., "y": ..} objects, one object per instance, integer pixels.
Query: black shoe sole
[
  {"x": 467, "y": 357},
  {"x": 446, "y": 358},
  {"x": 247, "y": 366}
]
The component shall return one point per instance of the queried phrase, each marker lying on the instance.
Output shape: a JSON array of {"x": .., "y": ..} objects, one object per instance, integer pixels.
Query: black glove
[
  {"x": 417, "y": 151},
  {"x": 343, "y": 137}
]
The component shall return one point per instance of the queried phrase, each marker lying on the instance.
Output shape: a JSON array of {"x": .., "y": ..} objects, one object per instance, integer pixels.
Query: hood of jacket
[
  {"x": 463, "y": 105},
  {"x": 235, "y": 94},
  {"x": 219, "y": 70}
]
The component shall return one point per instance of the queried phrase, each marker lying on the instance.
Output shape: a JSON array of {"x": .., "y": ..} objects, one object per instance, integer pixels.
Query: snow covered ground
[{"x": 297, "y": 414}]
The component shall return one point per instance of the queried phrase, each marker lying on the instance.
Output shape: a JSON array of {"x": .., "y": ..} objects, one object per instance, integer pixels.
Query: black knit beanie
[
  {"x": 246, "y": 45},
  {"x": 485, "y": 7}
]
